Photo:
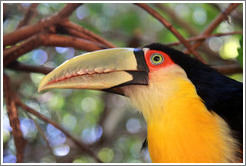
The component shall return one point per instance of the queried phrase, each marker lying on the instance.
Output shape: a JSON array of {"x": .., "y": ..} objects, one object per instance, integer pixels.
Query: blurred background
[{"x": 106, "y": 123}]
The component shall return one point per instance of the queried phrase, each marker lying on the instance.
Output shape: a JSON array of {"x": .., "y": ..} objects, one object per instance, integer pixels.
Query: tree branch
[
  {"x": 91, "y": 35},
  {"x": 191, "y": 30},
  {"x": 46, "y": 39},
  {"x": 27, "y": 31},
  {"x": 223, "y": 15},
  {"x": 14, "y": 52},
  {"x": 30, "y": 13},
  {"x": 83, "y": 147},
  {"x": 67, "y": 41},
  {"x": 78, "y": 34},
  {"x": 203, "y": 37},
  {"x": 237, "y": 15},
  {"x": 30, "y": 68},
  {"x": 41, "y": 133},
  {"x": 229, "y": 69},
  {"x": 19, "y": 141},
  {"x": 171, "y": 28}
]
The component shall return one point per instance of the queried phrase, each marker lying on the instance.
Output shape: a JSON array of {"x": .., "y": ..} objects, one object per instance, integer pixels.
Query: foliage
[{"x": 240, "y": 52}]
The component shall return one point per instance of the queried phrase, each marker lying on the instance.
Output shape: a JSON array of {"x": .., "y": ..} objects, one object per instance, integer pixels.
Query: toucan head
[
  {"x": 110, "y": 69},
  {"x": 136, "y": 73}
]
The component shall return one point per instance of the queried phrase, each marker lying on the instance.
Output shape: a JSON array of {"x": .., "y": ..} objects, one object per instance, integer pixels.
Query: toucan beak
[{"x": 99, "y": 70}]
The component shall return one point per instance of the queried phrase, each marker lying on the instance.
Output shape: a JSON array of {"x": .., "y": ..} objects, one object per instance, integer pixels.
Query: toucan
[{"x": 193, "y": 113}]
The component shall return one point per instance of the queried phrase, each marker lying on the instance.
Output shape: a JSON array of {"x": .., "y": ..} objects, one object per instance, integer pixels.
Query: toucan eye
[{"x": 156, "y": 59}]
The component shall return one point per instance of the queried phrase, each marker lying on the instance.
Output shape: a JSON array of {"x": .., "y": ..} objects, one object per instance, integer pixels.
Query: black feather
[{"x": 220, "y": 94}]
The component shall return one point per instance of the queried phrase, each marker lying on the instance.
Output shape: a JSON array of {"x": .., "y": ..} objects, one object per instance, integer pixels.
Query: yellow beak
[{"x": 102, "y": 69}]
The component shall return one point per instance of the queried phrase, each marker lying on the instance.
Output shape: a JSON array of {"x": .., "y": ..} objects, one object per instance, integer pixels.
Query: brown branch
[
  {"x": 171, "y": 28},
  {"x": 237, "y": 15},
  {"x": 222, "y": 16},
  {"x": 88, "y": 33},
  {"x": 82, "y": 35},
  {"x": 5, "y": 13},
  {"x": 27, "y": 31},
  {"x": 19, "y": 141},
  {"x": 30, "y": 68},
  {"x": 191, "y": 30},
  {"x": 46, "y": 39},
  {"x": 11, "y": 54},
  {"x": 46, "y": 70},
  {"x": 229, "y": 69},
  {"x": 78, "y": 34},
  {"x": 14, "y": 52},
  {"x": 203, "y": 37},
  {"x": 67, "y": 41},
  {"x": 30, "y": 13},
  {"x": 41, "y": 133},
  {"x": 83, "y": 147}
]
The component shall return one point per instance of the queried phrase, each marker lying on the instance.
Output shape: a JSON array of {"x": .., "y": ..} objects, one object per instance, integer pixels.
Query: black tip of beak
[
  {"x": 141, "y": 63},
  {"x": 139, "y": 78}
]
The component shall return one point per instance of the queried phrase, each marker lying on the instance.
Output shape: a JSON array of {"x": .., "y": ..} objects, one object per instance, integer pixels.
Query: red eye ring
[{"x": 163, "y": 61}]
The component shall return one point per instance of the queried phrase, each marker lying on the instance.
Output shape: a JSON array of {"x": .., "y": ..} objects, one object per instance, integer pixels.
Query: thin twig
[
  {"x": 41, "y": 133},
  {"x": 19, "y": 141},
  {"x": 83, "y": 147},
  {"x": 176, "y": 19},
  {"x": 30, "y": 13},
  {"x": 81, "y": 29},
  {"x": 205, "y": 37},
  {"x": 30, "y": 68},
  {"x": 228, "y": 69},
  {"x": 237, "y": 15},
  {"x": 171, "y": 28},
  {"x": 27, "y": 31},
  {"x": 222, "y": 16}
]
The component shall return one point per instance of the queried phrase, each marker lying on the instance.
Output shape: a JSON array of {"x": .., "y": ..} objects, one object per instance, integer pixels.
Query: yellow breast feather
[{"x": 180, "y": 128}]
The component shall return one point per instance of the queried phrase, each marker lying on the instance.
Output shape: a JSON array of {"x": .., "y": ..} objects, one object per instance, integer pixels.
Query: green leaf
[
  {"x": 240, "y": 52},
  {"x": 106, "y": 154}
]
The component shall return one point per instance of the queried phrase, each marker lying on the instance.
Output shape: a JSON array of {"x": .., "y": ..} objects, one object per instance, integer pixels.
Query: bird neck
[{"x": 180, "y": 128}]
